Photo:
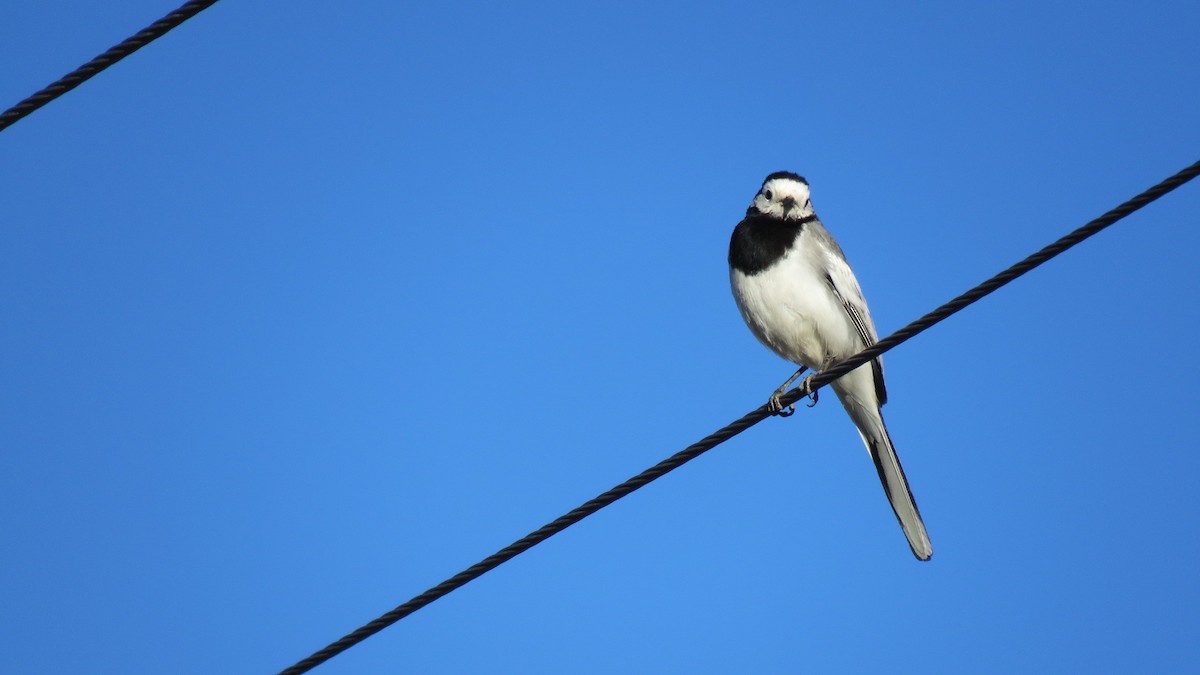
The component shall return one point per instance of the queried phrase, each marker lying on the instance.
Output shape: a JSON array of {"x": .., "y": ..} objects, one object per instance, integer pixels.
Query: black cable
[
  {"x": 987, "y": 287},
  {"x": 86, "y": 71},
  {"x": 748, "y": 420}
]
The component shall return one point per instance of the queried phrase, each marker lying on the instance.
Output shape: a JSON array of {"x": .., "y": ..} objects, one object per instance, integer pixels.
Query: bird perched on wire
[{"x": 799, "y": 297}]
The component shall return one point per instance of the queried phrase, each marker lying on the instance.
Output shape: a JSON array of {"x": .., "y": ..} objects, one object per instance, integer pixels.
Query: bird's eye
[{"x": 768, "y": 195}]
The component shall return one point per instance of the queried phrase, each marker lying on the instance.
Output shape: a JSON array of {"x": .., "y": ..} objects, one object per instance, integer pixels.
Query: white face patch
[{"x": 770, "y": 200}]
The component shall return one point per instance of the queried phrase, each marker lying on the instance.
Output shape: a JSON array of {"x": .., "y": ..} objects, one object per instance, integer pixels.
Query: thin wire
[
  {"x": 987, "y": 287},
  {"x": 86, "y": 71},
  {"x": 748, "y": 420}
]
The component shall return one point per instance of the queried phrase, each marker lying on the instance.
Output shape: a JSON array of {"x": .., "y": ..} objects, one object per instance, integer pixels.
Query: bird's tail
[{"x": 868, "y": 418}]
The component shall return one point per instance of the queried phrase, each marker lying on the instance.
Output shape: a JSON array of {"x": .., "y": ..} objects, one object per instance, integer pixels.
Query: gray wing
[{"x": 845, "y": 287}]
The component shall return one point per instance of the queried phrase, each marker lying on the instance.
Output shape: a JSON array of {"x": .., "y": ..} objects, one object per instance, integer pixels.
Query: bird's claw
[
  {"x": 812, "y": 394},
  {"x": 775, "y": 405}
]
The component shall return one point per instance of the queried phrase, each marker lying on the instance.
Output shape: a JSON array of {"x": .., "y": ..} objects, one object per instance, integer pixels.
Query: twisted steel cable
[
  {"x": 748, "y": 420},
  {"x": 86, "y": 71},
  {"x": 987, "y": 287},
  {"x": 193, "y": 7}
]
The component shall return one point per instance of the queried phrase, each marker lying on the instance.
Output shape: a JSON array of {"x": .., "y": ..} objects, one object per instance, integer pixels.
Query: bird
[{"x": 797, "y": 294}]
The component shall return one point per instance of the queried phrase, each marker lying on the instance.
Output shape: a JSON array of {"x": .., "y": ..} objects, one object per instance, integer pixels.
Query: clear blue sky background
[{"x": 310, "y": 305}]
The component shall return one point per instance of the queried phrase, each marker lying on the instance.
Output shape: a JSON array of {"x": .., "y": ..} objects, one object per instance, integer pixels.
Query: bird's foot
[
  {"x": 812, "y": 393},
  {"x": 775, "y": 405}
]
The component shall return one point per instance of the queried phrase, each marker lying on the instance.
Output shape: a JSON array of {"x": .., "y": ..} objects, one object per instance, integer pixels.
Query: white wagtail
[{"x": 799, "y": 297}]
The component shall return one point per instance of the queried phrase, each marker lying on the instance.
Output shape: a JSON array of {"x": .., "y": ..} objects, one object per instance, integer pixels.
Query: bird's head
[{"x": 783, "y": 195}]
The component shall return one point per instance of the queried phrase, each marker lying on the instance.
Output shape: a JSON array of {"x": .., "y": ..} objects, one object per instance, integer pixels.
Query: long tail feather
[{"x": 868, "y": 417}]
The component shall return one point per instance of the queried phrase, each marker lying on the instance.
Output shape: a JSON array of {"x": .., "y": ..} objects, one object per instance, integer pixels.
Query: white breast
[{"x": 791, "y": 310}]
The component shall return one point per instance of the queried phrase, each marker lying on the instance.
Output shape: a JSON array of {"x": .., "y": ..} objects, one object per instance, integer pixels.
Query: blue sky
[{"x": 308, "y": 306}]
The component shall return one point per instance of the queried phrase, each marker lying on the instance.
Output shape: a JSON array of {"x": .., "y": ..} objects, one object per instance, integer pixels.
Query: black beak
[{"x": 788, "y": 204}]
